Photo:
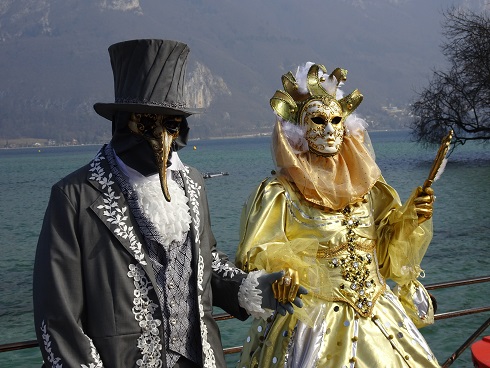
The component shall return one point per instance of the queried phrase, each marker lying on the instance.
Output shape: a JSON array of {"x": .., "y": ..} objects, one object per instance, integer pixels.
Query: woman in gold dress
[{"x": 331, "y": 222}]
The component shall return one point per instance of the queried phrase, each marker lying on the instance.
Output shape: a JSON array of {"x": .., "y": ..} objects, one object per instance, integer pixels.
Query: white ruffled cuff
[{"x": 250, "y": 298}]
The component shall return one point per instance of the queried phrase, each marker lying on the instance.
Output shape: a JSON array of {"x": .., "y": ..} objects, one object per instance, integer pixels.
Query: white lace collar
[{"x": 171, "y": 219}]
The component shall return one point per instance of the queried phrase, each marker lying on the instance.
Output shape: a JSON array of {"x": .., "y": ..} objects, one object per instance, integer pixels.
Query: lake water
[{"x": 460, "y": 247}]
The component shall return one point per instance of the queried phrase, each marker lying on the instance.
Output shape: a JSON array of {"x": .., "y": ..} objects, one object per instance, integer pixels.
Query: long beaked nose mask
[
  {"x": 159, "y": 131},
  {"x": 314, "y": 106}
]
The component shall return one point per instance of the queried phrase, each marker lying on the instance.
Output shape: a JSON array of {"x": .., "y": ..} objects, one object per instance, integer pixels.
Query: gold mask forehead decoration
[
  {"x": 289, "y": 103},
  {"x": 159, "y": 131}
]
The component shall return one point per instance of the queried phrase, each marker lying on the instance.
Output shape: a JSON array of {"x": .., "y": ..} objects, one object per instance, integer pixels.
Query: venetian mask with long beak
[{"x": 159, "y": 131}]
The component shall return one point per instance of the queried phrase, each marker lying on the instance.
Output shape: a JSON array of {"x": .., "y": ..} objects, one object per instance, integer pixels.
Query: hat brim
[{"x": 107, "y": 110}]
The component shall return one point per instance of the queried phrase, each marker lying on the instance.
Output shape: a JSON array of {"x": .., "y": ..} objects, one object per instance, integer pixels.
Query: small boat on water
[{"x": 214, "y": 174}]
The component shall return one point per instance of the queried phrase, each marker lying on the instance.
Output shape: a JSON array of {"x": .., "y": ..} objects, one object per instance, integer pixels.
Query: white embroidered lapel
[
  {"x": 112, "y": 209},
  {"x": 193, "y": 190}
]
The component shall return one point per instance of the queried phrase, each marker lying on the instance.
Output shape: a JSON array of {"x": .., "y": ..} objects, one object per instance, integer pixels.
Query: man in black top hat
[{"x": 126, "y": 270}]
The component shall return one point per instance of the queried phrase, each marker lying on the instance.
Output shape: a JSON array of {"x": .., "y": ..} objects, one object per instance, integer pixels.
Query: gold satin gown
[{"x": 350, "y": 317}]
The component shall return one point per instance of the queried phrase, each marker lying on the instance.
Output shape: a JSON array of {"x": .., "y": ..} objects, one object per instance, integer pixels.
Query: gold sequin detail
[{"x": 355, "y": 267}]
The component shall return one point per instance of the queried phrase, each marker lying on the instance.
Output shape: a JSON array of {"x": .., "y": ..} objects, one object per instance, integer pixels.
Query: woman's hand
[{"x": 423, "y": 202}]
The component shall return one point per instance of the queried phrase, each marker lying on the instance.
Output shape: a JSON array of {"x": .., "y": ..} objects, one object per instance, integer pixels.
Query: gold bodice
[
  {"x": 340, "y": 255},
  {"x": 346, "y": 254}
]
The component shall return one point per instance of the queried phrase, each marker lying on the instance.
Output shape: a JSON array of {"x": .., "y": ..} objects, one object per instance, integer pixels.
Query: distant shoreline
[
  {"x": 54, "y": 146},
  {"x": 21, "y": 143}
]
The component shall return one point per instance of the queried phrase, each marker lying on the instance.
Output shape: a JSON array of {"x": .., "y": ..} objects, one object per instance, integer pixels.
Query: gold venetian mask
[
  {"x": 324, "y": 125},
  {"x": 316, "y": 107}
]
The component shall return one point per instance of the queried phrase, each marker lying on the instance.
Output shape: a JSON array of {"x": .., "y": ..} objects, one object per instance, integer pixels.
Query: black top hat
[{"x": 149, "y": 77}]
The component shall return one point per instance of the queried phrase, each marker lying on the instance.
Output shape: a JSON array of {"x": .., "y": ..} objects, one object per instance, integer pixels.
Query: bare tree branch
[{"x": 458, "y": 99}]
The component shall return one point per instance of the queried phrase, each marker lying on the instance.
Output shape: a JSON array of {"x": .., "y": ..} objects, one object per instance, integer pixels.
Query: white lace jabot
[{"x": 171, "y": 219}]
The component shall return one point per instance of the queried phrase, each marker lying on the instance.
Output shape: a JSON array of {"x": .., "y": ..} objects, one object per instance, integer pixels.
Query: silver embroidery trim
[
  {"x": 95, "y": 356},
  {"x": 224, "y": 268},
  {"x": 55, "y": 361},
  {"x": 193, "y": 190},
  {"x": 174, "y": 105},
  {"x": 115, "y": 215},
  {"x": 143, "y": 309}
]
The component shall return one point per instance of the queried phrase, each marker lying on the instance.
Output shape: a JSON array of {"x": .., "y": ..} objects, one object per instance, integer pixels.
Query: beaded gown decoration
[{"x": 343, "y": 228}]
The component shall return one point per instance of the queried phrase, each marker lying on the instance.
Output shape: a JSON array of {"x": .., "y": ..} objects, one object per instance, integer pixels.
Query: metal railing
[
  {"x": 463, "y": 312},
  {"x": 237, "y": 349}
]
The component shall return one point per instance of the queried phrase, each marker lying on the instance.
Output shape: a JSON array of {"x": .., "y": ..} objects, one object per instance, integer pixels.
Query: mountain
[{"x": 54, "y": 63}]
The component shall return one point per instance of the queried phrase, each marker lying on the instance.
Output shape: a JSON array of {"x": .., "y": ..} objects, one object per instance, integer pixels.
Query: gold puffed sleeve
[
  {"x": 265, "y": 244},
  {"x": 262, "y": 223},
  {"x": 402, "y": 242}
]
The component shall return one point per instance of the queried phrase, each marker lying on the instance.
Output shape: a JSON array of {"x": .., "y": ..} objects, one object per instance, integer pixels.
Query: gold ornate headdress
[
  {"x": 288, "y": 104},
  {"x": 331, "y": 182}
]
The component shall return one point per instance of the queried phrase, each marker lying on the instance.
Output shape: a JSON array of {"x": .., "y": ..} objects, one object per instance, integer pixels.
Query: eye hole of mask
[
  {"x": 318, "y": 120},
  {"x": 336, "y": 120},
  {"x": 172, "y": 124}
]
